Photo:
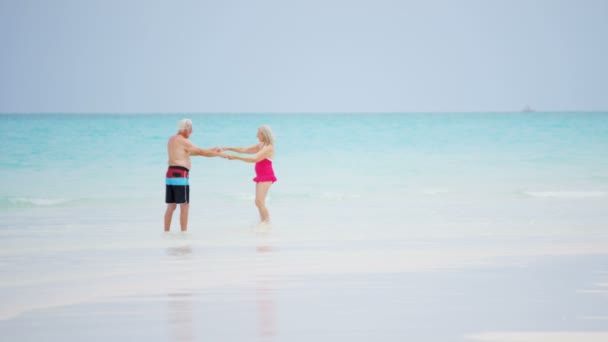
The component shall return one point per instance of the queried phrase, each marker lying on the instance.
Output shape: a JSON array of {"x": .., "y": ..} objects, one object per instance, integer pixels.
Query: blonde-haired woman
[{"x": 263, "y": 153}]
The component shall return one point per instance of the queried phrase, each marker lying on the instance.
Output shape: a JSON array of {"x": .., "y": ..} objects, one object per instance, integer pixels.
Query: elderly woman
[{"x": 263, "y": 154}]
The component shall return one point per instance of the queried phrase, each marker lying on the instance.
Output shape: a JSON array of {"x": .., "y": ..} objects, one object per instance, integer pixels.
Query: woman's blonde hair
[{"x": 267, "y": 134}]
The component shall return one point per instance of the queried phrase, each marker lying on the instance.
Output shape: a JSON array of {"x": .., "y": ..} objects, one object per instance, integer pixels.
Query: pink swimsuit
[{"x": 264, "y": 172}]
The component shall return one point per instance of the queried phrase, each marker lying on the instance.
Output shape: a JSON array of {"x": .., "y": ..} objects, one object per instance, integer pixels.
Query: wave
[
  {"x": 13, "y": 202},
  {"x": 566, "y": 194},
  {"x": 28, "y": 202}
]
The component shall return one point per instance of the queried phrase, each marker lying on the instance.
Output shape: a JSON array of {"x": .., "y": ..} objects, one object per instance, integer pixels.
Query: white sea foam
[
  {"x": 534, "y": 336},
  {"x": 566, "y": 194},
  {"x": 245, "y": 196},
  {"x": 337, "y": 196}
]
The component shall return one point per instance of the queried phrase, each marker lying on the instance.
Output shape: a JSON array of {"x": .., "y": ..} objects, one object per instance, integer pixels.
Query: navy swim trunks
[{"x": 177, "y": 187}]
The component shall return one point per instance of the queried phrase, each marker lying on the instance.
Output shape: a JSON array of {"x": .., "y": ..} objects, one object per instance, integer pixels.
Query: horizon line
[{"x": 300, "y": 113}]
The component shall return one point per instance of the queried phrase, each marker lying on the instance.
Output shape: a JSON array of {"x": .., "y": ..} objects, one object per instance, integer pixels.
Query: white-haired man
[{"x": 177, "y": 190}]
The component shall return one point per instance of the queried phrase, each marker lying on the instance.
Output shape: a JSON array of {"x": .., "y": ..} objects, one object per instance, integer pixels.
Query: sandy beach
[{"x": 268, "y": 286}]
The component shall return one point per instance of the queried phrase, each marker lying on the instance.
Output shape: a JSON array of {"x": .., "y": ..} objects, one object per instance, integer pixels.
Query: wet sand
[{"x": 272, "y": 289}]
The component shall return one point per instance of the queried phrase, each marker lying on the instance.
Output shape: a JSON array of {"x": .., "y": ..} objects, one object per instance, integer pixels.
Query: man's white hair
[{"x": 184, "y": 125}]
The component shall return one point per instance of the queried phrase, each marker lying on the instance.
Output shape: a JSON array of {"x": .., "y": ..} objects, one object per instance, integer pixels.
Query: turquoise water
[
  {"x": 82, "y": 201},
  {"x": 114, "y": 155},
  {"x": 390, "y": 167}
]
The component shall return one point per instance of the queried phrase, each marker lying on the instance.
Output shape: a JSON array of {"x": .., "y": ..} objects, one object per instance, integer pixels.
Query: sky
[{"x": 148, "y": 56}]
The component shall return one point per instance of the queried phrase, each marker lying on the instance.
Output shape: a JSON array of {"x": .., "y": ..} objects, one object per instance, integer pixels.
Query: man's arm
[{"x": 197, "y": 151}]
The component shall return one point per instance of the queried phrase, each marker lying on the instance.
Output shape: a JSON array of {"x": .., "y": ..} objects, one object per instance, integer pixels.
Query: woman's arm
[
  {"x": 249, "y": 150},
  {"x": 265, "y": 152}
]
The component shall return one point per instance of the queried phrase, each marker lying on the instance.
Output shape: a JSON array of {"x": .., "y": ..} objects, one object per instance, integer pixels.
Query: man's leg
[
  {"x": 168, "y": 215},
  {"x": 183, "y": 215}
]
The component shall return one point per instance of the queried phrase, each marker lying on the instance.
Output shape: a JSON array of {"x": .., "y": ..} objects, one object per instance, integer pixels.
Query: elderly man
[{"x": 177, "y": 190}]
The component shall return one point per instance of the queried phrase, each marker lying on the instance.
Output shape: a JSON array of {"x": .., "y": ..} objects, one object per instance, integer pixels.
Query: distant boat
[{"x": 527, "y": 109}]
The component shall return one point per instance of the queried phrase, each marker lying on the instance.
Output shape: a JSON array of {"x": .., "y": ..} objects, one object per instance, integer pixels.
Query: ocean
[{"x": 82, "y": 203}]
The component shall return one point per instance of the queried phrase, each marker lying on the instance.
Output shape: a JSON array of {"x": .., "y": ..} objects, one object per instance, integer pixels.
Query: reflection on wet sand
[
  {"x": 266, "y": 306},
  {"x": 180, "y": 304},
  {"x": 180, "y": 317},
  {"x": 180, "y": 251}
]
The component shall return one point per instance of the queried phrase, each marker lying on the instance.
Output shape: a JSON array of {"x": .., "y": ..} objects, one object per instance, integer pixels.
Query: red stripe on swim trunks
[{"x": 177, "y": 172}]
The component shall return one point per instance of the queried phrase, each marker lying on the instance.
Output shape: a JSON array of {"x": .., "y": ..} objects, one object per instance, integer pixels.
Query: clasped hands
[{"x": 222, "y": 154}]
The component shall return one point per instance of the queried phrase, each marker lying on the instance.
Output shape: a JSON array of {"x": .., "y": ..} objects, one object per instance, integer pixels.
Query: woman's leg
[{"x": 261, "y": 190}]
